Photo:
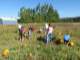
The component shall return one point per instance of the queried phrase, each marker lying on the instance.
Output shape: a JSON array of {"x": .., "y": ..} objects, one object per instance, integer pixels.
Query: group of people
[
  {"x": 23, "y": 33},
  {"x": 49, "y": 33}
]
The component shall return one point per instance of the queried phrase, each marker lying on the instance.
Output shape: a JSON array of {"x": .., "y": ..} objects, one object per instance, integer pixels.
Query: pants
[{"x": 48, "y": 37}]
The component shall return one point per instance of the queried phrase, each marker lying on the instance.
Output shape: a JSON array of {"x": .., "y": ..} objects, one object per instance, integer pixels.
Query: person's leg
[
  {"x": 66, "y": 41},
  {"x": 48, "y": 38},
  {"x": 29, "y": 34},
  {"x": 21, "y": 36}
]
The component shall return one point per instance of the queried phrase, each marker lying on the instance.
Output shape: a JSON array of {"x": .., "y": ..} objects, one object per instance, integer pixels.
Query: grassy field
[{"x": 37, "y": 50}]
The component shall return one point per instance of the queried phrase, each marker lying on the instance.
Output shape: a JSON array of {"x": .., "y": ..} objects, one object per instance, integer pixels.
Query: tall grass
[{"x": 38, "y": 50}]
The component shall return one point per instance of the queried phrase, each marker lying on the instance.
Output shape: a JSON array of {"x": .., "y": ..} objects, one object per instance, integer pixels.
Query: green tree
[{"x": 42, "y": 13}]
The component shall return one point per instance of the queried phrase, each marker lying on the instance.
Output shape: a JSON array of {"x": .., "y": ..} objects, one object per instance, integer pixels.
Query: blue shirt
[{"x": 66, "y": 37}]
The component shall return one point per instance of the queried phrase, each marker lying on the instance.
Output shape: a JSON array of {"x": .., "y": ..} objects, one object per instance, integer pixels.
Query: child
[
  {"x": 21, "y": 32},
  {"x": 49, "y": 33},
  {"x": 66, "y": 38}
]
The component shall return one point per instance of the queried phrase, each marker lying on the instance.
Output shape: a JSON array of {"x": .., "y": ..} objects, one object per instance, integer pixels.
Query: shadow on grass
[
  {"x": 41, "y": 39},
  {"x": 58, "y": 41}
]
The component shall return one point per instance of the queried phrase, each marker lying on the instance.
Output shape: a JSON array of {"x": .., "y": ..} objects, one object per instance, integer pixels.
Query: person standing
[
  {"x": 49, "y": 34},
  {"x": 20, "y": 29}
]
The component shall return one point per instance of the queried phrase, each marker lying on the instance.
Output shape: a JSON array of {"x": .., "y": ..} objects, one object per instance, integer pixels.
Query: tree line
[
  {"x": 41, "y": 13},
  {"x": 70, "y": 19}
]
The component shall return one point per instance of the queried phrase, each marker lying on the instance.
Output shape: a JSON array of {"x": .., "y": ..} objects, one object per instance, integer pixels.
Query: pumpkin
[
  {"x": 5, "y": 52},
  {"x": 70, "y": 44}
]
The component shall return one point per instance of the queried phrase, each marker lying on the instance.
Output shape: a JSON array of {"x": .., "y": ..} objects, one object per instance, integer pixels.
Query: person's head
[{"x": 49, "y": 24}]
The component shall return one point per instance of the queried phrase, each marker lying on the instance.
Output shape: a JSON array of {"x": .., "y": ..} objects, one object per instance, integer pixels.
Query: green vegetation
[
  {"x": 38, "y": 50},
  {"x": 71, "y": 19},
  {"x": 0, "y": 21},
  {"x": 42, "y": 13}
]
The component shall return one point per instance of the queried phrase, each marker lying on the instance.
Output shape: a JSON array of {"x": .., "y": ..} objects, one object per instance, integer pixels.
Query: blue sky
[{"x": 65, "y": 8}]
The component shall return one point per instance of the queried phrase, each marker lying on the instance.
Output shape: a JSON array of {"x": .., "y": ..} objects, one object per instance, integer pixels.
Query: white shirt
[
  {"x": 46, "y": 26},
  {"x": 50, "y": 30},
  {"x": 19, "y": 26}
]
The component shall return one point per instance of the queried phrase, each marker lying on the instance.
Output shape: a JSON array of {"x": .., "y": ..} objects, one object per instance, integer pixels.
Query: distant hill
[{"x": 70, "y": 19}]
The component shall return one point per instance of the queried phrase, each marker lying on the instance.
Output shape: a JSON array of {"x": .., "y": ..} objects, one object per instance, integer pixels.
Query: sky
[{"x": 65, "y": 8}]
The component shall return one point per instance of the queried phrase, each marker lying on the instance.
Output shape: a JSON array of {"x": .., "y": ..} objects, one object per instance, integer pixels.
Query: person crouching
[{"x": 66, "y": 38}]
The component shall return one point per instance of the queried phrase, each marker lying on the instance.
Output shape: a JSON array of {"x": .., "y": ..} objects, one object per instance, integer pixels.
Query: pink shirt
[{"x": 50, "y": 30}]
